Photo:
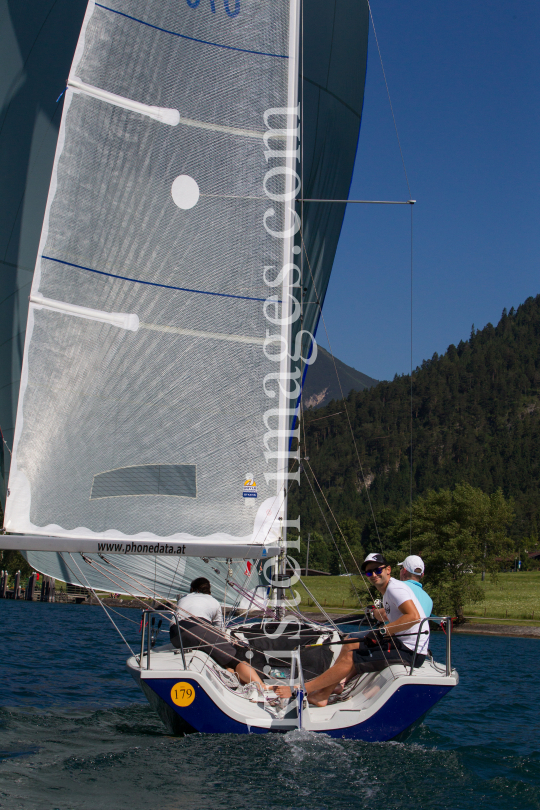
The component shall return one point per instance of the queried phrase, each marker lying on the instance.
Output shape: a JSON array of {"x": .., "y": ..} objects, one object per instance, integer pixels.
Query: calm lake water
[{"x": 77, "y": 734}]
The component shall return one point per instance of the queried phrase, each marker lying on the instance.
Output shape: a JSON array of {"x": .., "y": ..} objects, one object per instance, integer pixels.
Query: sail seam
[
  {"x": 193, "y": 39},
  {"x": 152, "y": 283},
  {"x": 20, "y": 266},
  {"x": 324, "y": 89},
  {"x": 13, "y": 337}
]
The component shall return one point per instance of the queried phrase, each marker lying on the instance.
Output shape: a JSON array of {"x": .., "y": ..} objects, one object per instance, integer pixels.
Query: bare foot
[
  {"x": 282, "y": 690},
  {"x": 340, "y": 687},
  {"x": 319, "y": 704},
  {"x": 318, "y": 698}
]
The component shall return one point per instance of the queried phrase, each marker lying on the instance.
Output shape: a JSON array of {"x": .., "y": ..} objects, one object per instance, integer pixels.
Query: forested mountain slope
[{"x": 475, "y": 416}]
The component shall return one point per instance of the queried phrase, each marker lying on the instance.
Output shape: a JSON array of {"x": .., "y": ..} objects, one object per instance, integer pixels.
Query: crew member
[
  {"x": 200, "y": 602},
  {"x": 393, "y": 644},
  {"x": 411, "y": 572},
  {"x": 198, "y": 613}
]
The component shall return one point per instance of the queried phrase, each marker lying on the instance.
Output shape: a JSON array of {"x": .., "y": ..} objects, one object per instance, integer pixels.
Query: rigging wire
[
  {"x": 5, "y": 477},
  {"x": 411, "y": 452},
  {"x": 219, "y": 631},
  {"x": 318, "y": 301},
  {"x": 334, "y": 517},
  {"x": 350, "y": 552},
  {"x": 101, "y": 570},
  {"x": 389, "y": 98},
  {"x": 5, "y": 443},
  {"x": 411, "y": 313},
  {"x": 316, "y": 602},
  {"x": 128, "y": 645},
  {"x": 355, "y": 447},
  {"x": 154, "y": 596},
  {"x": 341, "y": 391},
  {"x": 174, "y": 577},
  {"x": 325, "y": 417},
  {"x": 379, "y": 641},
  {"x": 329, "y": 530}
]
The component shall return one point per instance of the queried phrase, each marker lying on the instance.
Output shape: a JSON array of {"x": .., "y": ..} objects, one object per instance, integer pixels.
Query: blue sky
[{"x": 464, "y": 80}]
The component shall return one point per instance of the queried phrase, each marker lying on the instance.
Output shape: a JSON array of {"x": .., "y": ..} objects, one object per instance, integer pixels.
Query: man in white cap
[{"x": 412, "y": 571}]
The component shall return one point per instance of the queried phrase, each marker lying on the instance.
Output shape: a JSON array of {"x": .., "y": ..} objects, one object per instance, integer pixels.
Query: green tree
[
  {"x": 457, "y": 533},
  {"x": 347, "y": 552},
  {"x": 319, "y": 552},
  {"x": 13, "y": 561},
  {"x": 376, "y": 536}
]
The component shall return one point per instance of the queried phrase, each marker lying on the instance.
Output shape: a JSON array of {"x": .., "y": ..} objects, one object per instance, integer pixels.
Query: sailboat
[{"x": 188, "y": 237}]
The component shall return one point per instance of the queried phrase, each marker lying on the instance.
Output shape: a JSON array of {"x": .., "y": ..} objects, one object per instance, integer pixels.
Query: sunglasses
[{"x": 377, "y": 571}]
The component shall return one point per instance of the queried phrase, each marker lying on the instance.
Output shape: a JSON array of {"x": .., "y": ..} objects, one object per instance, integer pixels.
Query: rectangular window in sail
[{"x": 178, "y": 480}]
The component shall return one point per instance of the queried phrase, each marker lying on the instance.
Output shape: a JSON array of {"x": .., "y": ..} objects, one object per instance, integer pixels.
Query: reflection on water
[{"x": 75, "y": 732}]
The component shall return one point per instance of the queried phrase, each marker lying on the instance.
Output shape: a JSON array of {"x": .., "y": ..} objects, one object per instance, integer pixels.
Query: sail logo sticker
[{"x": 250, "y": 488}]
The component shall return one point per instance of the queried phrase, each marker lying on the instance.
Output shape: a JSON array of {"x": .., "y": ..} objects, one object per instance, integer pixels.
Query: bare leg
[
  {"x": 247, "y": 674},
  {"x": 319, "y": 697},
  {"x": 319, "y": 689}
]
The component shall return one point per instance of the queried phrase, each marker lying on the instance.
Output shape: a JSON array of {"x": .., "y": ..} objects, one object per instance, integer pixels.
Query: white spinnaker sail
[{"x": 141, "y": 408}]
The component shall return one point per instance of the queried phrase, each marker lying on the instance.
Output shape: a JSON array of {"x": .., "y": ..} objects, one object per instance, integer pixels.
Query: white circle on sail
[{"x": 185, "y": 192}]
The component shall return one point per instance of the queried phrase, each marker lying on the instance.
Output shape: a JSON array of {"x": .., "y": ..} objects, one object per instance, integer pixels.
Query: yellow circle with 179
[{"x": 183, "y": 693}]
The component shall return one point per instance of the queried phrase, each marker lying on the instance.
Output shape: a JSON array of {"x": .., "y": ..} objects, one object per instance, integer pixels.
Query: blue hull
[{"x": 403, "y": 711}]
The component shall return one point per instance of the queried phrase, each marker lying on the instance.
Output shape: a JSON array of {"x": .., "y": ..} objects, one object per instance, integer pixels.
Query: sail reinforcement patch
[{"x": 179, "y": 480}]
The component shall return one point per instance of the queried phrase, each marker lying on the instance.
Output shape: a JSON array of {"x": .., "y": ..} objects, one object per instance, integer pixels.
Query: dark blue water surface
[{"x": 77, "y": 734}]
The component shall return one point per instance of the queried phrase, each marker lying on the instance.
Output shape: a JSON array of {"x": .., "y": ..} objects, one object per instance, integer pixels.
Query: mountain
[
  {"x": 475, "y": 419},
  {"x": 321, "y": 385}
]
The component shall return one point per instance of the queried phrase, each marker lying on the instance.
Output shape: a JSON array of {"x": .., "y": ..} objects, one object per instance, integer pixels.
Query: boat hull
[{"x": 400, "y": 703}]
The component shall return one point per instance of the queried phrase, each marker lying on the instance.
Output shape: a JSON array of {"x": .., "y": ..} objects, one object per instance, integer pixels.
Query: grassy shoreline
[{"x": 511, "y": 597}]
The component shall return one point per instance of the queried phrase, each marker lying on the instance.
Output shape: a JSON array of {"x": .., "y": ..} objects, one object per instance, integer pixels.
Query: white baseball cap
[{"x": 412, "y": 564}]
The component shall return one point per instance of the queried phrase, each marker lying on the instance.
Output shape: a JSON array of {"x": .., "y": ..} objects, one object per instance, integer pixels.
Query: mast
[{"x": 285, "y": 437}]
